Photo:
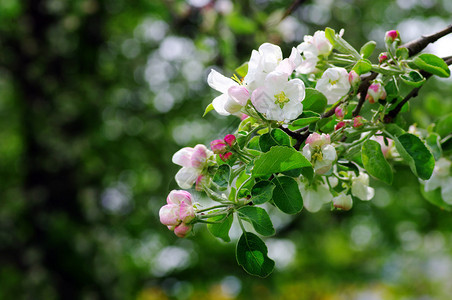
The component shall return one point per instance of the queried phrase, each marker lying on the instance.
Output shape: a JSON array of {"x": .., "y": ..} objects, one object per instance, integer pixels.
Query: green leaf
[
  {"x": 286, "y": 195},
  {"x": 435, "y": 198},
  {"x": 413, "y": 78},
  {"x": 279, "y": 159},
  {"x": 444, "y": 125},
  {"x": 251, "y": 254},
  {"x": 394, "y": 129},
  {"x": 432, "y": 64},
  {"x": 300, "y": 123},
  {"x": 243, "y": 176},
  {"x": 433, "y": 141},
  {"x": 367, "y": 49},
  {"x": 314, "y": 101},
  {"x": 274, "y": 138},
  {"x": 208, "y": 109},
  {"x": 242, "y": 70},
  {"x": 402, "y": 53},
  {"x": 392, "y": 90},
  {"x": 340, "y": 44},
  {"x": 374, "y": 161},
  {"x": 259, "y": 218},
  {"x": 221, "y": 176},
  {"x": 262, "y": 192},
  {"x": 221, "y": 230},
  {"x": 362, "y": 66},
  {"x": 416, "y": 154}
]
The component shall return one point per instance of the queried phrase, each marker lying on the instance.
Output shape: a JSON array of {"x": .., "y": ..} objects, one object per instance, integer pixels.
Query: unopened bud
[
  {"x": 343, "y": 202},
  {"x": 353, "y": 78},
  {"x": 182, "y": 230},
  {"x": 339, "y": 125},
  {"x": 339, "y": 112},
  {"x": 383, "y": 57},
  {"x": 226, "y": 156},
  {"x": 230, "y": 139},
  {"x": 358, "y": 122},
  {"x": 391, "y": 36},
  {"x": 375, "y": 92},
  {"x": 218, "y": 146}
]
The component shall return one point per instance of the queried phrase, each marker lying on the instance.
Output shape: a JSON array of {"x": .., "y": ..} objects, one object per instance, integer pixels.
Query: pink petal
[
  {"x": 186, "y": 212},
  {"x": 177, "y": 196},
  {"x": 182, "y": 230},
  {"x": 183, "y": 157},
  {"x": 169, "y": 215}
]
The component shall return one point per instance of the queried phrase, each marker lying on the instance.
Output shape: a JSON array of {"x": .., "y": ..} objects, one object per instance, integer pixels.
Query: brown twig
[
  {"x": 390, "y": 116},
  {"x": 292, "y": 8},
  {"x": 416, "y": 46}
]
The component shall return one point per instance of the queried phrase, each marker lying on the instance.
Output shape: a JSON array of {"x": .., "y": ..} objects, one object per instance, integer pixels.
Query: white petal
[
  {"x": 329, "y": 153},
  {"x": 433, "y": 183},
  {"x": 183, "y": 157},
  {"x": 446, "y": 190},
  {"x": 271, "y": 55},
  {"x": 219, "y": 103},
  {"x": 295, "y": 90},
  {"x": 186, "y": 177},
  {"x": 307, "y": 152},
  {"x": 219, "y": 82}
]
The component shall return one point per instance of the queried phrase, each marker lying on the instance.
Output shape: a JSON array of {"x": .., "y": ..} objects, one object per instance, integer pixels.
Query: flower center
[
  {"x": 317, "y": 155},
  {"x": 281, "y": 99},
  {"x": 333, "y": 82}
]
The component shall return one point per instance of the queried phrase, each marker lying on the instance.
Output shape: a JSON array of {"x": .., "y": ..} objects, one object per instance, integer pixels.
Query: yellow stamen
[{"x": 281, "y": 99}]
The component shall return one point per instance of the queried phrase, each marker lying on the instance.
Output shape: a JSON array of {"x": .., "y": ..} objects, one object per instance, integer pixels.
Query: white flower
[
  {"x": 360, "y": 187},
  {"x": 193, "y": 162},
  {"x": 266, "y": 60},
  {"x": 320, "y": 152},
  {"x": 315, "y": 196},
  {"x": 278, "y": 98},
  {"x": 441, "y": 178},
  {"x": 311, "y": 48},
  {"x": 343, "y": 201},
  {"x": 334, "y": 84},
  {"x": 234, "y": 96}
]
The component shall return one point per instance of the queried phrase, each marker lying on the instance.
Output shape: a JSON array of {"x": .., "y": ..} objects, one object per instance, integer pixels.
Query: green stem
[
  {"x": 241, "y": 186},
  {"x": 213, "y": 207}
]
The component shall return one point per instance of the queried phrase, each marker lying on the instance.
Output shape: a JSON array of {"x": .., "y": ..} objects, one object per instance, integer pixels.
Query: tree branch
[
  {"x": 416, "y": 46},
  {"x": 390, "y": 116}
]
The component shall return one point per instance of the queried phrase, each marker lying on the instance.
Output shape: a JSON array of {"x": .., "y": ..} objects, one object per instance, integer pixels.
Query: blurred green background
[{"x": 96, "y": 96}]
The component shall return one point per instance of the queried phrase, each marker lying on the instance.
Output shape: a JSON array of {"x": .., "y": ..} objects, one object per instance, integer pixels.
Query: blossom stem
[{"x": 213, "y": 207}]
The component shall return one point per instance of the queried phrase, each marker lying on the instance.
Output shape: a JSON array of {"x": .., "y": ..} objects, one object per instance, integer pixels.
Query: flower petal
[
  {"x": 177, "y": 196},
  {"x": 183, "y": 157},
  {"x": 219, "y": 104},
  {"x": 220, "y": 82},
  {"x": 186, "y": 177},
  {"x": 169, "y": 215}
]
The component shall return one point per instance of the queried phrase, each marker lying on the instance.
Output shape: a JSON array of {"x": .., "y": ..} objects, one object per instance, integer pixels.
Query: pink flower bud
[
  {"x": 339, "y": 125},
  {"x": 243, "y": 116},
  {"x": 375, "y": 92},
  {"x": 186, "y": 212},
  {"x": 339, "y": 112},
  {"x": 383, "y": 57},
  {"x": 177, "y": 196},
  {"x": 226, "y": 156},
  {"x": 353, "y": 78},
  {"x": 182, "y": 230},
  {"x": 358, "y": 122},
  {"x": 230, "y": 139},
  {"x": 343, "y": 202},
  {"x": 391, "y": 36},
  {"x": 218, "y": 146},
  {"x": 169, "y": 215}
]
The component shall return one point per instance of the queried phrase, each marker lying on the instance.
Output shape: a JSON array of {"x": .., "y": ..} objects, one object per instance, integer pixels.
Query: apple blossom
[
  {"x": 339, "y": 125},
  {"x": 353, "y": 78},
  {"x": 230, "y": 139},
  {"x": 385, "y": 148},
  {"x": 358, "y": 121},
  {"x": 320, "y": 152},
  {"x": 375, "y": 92},
  {"x": 334, "y": 84},
  {"x": 343, "y": 201},
  {"x": 441, "y": 178},
  {"x": 383, "y": 57},
  {"x": 339, "y": 112},
  {"x": 279, "y": 99},
  {"x": 218, "y": 146},
  {"x": 178, "y": 212},
  {"x": 360, "y": 187},
  {"x": 391, "y": 36},
  {"x": 234, "y": 96},
  {"x": 314, "y": 196},
  {"x": 194, "y": 162},
  {"x": 226, "y": 156},
  {"x": 311, "y": 48},
  {"x": 267, "y": 59}
]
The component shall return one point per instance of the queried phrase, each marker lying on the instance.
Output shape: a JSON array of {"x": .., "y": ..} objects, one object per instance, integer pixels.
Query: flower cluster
[{"x": 308, "y": 138}]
